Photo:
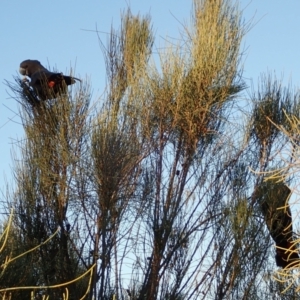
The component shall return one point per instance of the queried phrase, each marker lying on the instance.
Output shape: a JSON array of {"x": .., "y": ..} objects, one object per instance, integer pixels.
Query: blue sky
[{"x": 55, "y": 32}]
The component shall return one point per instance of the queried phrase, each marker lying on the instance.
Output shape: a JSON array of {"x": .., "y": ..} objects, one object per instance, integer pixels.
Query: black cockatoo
[
  {"x": 273, "y": 198},
  {"x": 45, "y": 83}
]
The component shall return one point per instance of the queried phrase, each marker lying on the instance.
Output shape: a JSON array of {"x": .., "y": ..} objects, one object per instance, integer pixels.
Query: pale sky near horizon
[{"x": 57, "y": 33}]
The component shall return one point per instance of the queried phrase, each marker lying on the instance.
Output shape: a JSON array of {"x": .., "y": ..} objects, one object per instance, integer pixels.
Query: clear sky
[{"x": 55, "y": 32}]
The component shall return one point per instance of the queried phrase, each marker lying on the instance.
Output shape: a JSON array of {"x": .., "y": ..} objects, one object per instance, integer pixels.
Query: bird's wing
[{"x": 40, "y": 77}]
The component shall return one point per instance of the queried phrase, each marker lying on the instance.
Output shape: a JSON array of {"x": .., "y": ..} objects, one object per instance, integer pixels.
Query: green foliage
[{"x": 151, "y": 186}]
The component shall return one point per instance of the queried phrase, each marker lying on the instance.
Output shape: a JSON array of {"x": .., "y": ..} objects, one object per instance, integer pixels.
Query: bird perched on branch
[
  {"x": 273, "y": 198},
  {"x": 45, "y": 83}
]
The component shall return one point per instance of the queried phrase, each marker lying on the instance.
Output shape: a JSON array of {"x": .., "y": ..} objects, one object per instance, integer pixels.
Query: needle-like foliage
[{"x": 155, "y": 190}]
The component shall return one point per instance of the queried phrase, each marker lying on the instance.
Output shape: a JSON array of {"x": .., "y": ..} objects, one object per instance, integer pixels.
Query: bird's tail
[
  {"x": 287, "y": 256},
  {"x": 58, "y": 78},
  {"x": 70, "y": 79}
]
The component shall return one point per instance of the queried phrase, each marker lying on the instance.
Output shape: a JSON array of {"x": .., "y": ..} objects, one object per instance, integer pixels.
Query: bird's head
[{"x": 29, "y": 67}]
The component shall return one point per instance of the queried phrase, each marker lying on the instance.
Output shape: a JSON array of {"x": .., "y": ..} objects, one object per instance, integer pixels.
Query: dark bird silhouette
[
  {"x": 68, "y": 227},
  {"x": 273, "y": 198},
  {"x": 46, "y": 84}
]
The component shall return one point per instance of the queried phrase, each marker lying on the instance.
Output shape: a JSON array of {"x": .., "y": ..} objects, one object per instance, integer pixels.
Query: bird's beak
[{"x": 22, "y": 71}]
